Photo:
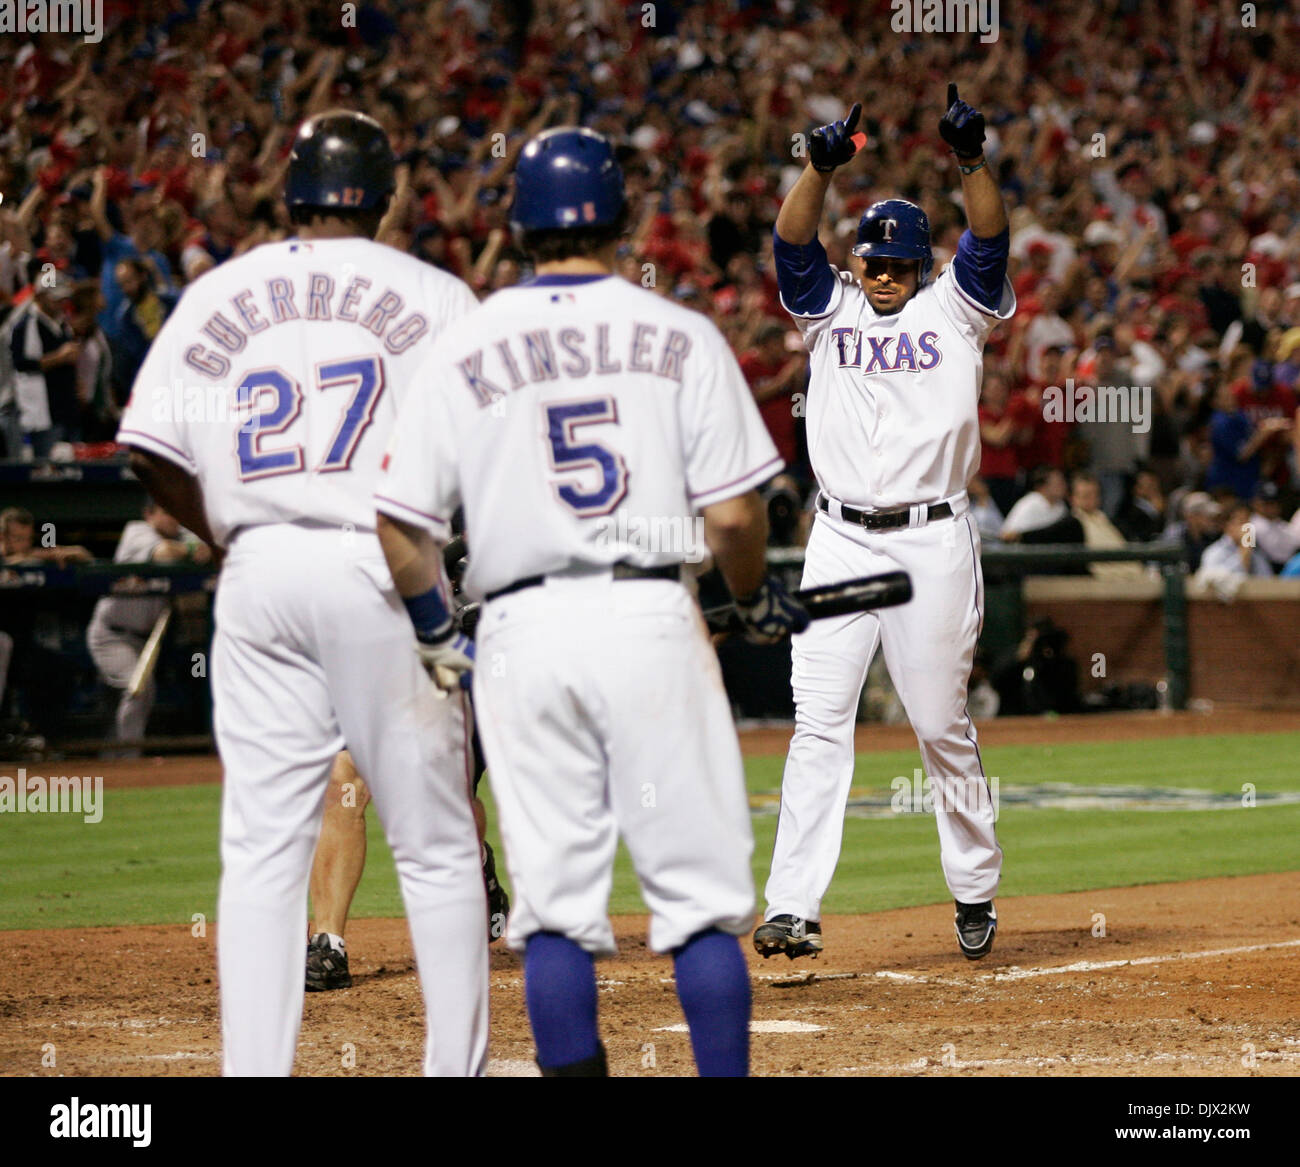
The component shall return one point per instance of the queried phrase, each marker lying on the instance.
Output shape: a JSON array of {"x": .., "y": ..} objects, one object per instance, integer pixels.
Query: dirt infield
[
  {"x": 1170, "y": 979},
  {"x": 1193, "y": 978}
]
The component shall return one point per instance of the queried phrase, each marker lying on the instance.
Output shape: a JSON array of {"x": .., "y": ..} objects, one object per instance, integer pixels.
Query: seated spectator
[
  {"x": 18, "y": 543},
  {"x": 1234, "y": 553},
  {"x": 1237, "y": 442},
  {"x": 1042, "y": 515},
  {"x": 1200, "y": 526},
  {"x": 1143, "y": 518},
  {"x": 1274, "y": 538},
  {"x": 120, "y": 625},
  {"x": 988, "y": 519},
  {"x": 1098, "y": 531}
]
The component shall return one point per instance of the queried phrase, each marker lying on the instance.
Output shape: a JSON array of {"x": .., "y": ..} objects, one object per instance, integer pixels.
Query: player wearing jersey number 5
[
  {"x": 568, "y": 414},
  {"x": 893, "y": 436},
  {"x": 259, "y": 419}
]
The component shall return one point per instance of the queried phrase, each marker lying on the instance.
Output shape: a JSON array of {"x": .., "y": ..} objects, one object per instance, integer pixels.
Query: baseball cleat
[
  {"x": 497, "y": 900},
  {"x": 789, "y": 934},
  {"x": 327, "y": 967},
  {"x": 977, "y": 924}
]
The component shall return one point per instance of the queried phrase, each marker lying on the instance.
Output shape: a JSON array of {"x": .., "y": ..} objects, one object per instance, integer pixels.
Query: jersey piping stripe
[
  {"x": 956, "y": 283},
  {"x": 745, "y": 481},
  {"x": 159, "y": 447},
  {"x": 390, "y": 506}
]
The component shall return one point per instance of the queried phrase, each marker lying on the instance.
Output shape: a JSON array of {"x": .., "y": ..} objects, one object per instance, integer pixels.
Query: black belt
[
  {"x": 671, "y": 571},
  {"x": 884, "y": 520}
]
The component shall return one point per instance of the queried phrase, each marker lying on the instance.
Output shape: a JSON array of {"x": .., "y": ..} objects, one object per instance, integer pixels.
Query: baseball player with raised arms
[
  {"x": 893, "y": 436},
  {"x": 559, "y": 409},
  {"x": 259, "y": 419}
]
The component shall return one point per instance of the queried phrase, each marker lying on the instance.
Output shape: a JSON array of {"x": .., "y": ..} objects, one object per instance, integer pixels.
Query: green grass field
[{"x": 153, "y": 857}]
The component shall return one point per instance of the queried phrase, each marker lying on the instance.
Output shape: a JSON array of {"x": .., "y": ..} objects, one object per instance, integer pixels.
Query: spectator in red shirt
[
  {"x": 1002, "y": 432},
  {"x": 774, "y": 372}
]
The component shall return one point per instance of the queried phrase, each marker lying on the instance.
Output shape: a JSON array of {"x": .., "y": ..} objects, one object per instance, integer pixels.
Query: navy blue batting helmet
[
  {"x": 896, "y": 229},
  {"x": 340, "y": 159},
  {"x": 567, "y": 177}
]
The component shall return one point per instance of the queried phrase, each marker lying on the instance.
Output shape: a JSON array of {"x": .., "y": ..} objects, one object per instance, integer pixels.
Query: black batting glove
[
  {"x": 962, "y": 127},
  {"x": 771, "y": 613},
  {"x": 833, "y": 145}
]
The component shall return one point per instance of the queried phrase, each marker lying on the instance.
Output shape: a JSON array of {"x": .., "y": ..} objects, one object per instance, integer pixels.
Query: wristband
[
  {"x": 429, "y": 615},
  {"x": 983, "y": 162}
]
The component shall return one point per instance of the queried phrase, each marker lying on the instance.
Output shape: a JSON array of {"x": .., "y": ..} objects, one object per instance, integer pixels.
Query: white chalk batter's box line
[
  {"x": 1047, "y": 1061},
  {"x": 1019, "y": 974}
]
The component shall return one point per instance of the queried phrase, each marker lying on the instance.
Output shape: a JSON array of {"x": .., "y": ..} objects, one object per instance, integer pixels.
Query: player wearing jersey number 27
[
  {"x": 570, "y": 399},
  {"x": 893, "y": 437},
  {"x": 309, "y": 345}
]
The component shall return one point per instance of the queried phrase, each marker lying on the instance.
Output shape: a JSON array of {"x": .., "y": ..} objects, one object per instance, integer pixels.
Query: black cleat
[
  {"x": 789, "y": 934},
  {"x": 977, "y": 924},
  {"x": 327, "y": 967},
  {"x": 498, "y": 901}
]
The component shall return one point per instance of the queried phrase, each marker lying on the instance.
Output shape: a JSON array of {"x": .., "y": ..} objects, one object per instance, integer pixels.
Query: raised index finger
[
  {"x": 952, "y": 94},
  {"x": 852, "y": 119}
]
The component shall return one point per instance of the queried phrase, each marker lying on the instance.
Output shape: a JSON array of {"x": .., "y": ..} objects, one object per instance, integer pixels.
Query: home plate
[{"x": 758, "y": 1027}]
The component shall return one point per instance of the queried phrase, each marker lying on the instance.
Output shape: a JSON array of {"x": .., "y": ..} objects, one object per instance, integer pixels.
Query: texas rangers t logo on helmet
[{"x": 889, "y": 225}]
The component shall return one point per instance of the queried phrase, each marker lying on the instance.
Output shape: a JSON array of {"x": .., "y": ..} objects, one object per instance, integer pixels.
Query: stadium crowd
[{"x": 1148, "y": 151}]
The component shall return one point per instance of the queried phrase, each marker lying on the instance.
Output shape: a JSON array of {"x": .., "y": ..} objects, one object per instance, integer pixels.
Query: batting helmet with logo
[
  {"x": 567, "y": 177},
  {"x": 896, "y": 229},
  {"x": 340, "y": 160}
]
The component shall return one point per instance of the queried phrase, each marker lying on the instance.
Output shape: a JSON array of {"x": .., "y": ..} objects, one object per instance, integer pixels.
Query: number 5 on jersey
[
  {"x": 273, "y": 400},
  {"x": 562, "y": 422}
]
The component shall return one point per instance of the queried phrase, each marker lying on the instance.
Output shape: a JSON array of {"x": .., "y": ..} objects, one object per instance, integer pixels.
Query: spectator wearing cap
[
  {"x": 1237, "y": 442},
  {"x": 774, "y": 371},
  {"x": 1274, "y": 538},
  {"x": 1234, "y": 553},
  {"x": 1200, "y": 526},
  {"x": 44, "y": 355}
]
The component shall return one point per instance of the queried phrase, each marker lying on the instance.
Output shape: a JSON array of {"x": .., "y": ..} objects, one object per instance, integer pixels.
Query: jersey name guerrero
[{"x": 277, "y": 378}]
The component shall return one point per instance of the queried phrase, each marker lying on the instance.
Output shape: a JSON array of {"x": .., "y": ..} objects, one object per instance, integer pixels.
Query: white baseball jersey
[
  {"x": 892, "y": 403},
  {"x": 276, "y": 379},
  {"x": 580, "y": 412},
  {"x": 275, "y": 382},
  {"x": 892, "y": 422}
]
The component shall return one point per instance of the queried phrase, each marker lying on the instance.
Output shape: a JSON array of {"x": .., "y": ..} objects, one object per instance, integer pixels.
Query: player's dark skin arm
[
  {"x": 801, "y": 212},
  {"x": 175, "y": 490},
  {"x": 984, "y": 207},
  {"x": 736, "y": 532},
  {"x": 414, "y": 557}
]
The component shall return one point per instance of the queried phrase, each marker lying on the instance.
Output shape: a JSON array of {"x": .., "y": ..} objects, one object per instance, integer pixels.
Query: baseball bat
[
  {"x": 866, "y": 594},
  {"x": 148, "y": 661}
]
